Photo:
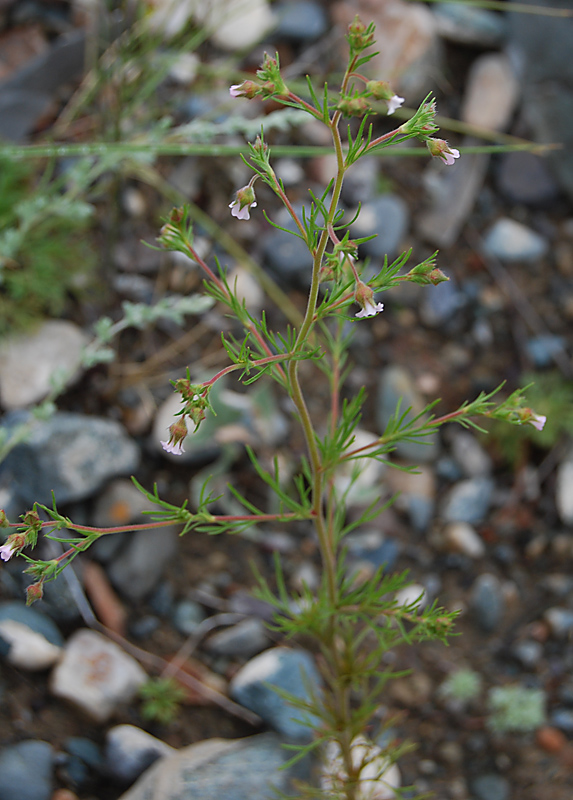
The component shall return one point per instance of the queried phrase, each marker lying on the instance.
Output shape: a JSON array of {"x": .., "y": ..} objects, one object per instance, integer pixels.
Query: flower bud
[
  {"x": 353, "y": 106},
  {"x": 178, "y": 432},
  {"x": 359, "y": 36},
  {"x": 34, "y": 592}
]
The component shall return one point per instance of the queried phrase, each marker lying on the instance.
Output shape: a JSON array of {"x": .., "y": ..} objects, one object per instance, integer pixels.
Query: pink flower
[
  {"x": 7, "y": 551},
  {"x": 393, "y": 103},
  {"x": 235, "y": 90},
  {"x": 370, "y": 309},
  {"x": 537, "y": 420}
]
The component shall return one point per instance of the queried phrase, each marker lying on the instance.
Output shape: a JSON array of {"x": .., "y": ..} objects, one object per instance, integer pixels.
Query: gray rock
[
  {"x": 26, "y": 771},
  {"x": 459, "y": 537},
  {"x": 470, "y": 25},
  {"x": 140, "y": 565},
  {"x": 32, "y": 619},
  {"x": 235, "y": 25},
  {"x": 547, "y": 75},
  {"x": 491, "y": 787},
  {"x": 511, "y": 241},
  {"x": 245, "y": 639},
  {"x": 27, "y": 95},
  {"x": 487, "y": 602},
  {"x": 360, "y": 181},
  {"x": 129, "y": 751},
  {"x": 388, "y": 217},
  {"x": 441, "y": 304},
  {"x": 468, "y": 501},
  {"x": 96, "y": 675},
  {"x": 489, "y": 101},
  {"x": 240, "y": 769},
  {"x": 300, "y": 21},
  {"x": 528, "y": 652},
  {"x": 470, "y": 455},
  {"x": 560, "y": 620},
  {"x": 542, "y": 349},
  {"x": 187, "y": 616},
  {"x": 287, "y": 256},
  {"x": 33, "y": 641},
  {"x": 292, "y": 671},
  {"x": 525, "y": 178},
  {"x": 562, "y": 718},
  {"x": 70, "y": 454},
  {"x": 396, "y": 385},
  {"x": 564, "y": 490},
  {"x": 30, "y": 362}
]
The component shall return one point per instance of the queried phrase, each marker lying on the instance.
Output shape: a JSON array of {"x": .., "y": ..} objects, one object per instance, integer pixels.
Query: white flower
[
  {"x": 393, "y": 103},
  {"x": 241, "y": 213},
  {"x": 235, "y": 90},
  {"x": 450, "y": 155},
  {"x": 370, "y": 309},
  {"x": 7, "y": 551},
  {"x": 170, "y": 447},
  {"x": 537, "y": 420}
]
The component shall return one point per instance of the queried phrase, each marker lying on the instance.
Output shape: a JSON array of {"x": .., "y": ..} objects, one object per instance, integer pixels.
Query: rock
[
  {"x": 236, "y": 25},
  {"x": 289, "y": 171},
  {"x": 291, "y": 671},
  {"x": 26, "y": 771},
  {"x": 416, "y": 494},
  {"x": 187, "y": 616},
  {"x": 373, "y": 547},
  {"x": 470, "y": 455},
  {"x": 489, "y": 101},
  {"x": 460, "y": 537},
  {"x": 34, "y": 641},
  {"x": 487, "y": 602},
  {"x": 528, "y": 652},
  {"x": 564, "y": 490},
  {"x": 30, "y": 363},
  {"x": 360, "y": 181},
  {"x": 550, "y": 739},
  {"x": 244, "y": 640},
  {"x": 96, "y": 675},
  {"x": 395, "y": 385},
  {"x": 286, "y": 255},
  {"x": 542, "y": 349},
  {"x": 300, "y": 21},
  {"x": 26, "y": 96},
  {"x": 238, "y": 769},
  {"x": 360, "y": 486},
  {"x": 441, "y": 305},
  {"x": 129, "y": 751},
  {"x": 491, "y": 93},
  {"x": 547, "y": 75},
  {"x": 491, "y": 787},
  {"x": 411, "y": 594},
  {"x": 387, "y": 216},
  {"x": 71, "y": 454},
  {"x": 247, "y": 289},
  {"x": 139, "y": 566},
  {"x": 562, "y": 719},
  {"x": 511, "y": 241},
  {"x": 525, "y": 178},
  {"x": 560, "y": 621},
  {"x": 375, "y": 771},
  {"x": 409, "y": 51},
  {"x": 83, "y": 760},
  {"x": 468, "y": 501},
  {"x": 470, "y": 25}
]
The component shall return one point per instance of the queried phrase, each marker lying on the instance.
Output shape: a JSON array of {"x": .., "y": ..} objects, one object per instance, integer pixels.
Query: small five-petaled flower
[{"x": 7, "y": 551}]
